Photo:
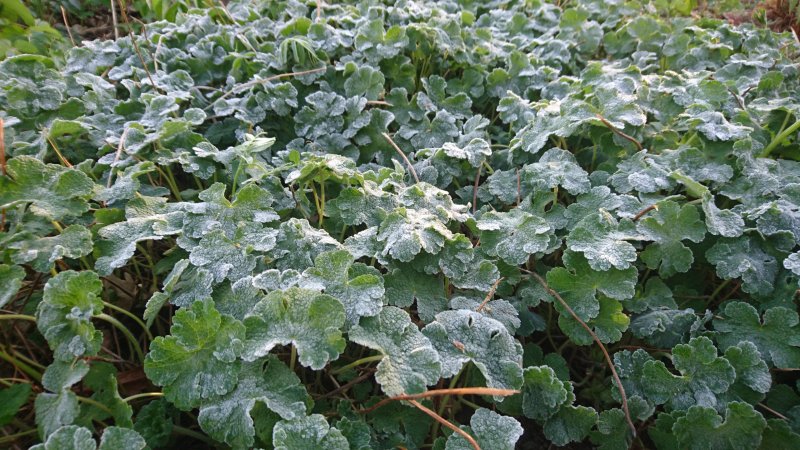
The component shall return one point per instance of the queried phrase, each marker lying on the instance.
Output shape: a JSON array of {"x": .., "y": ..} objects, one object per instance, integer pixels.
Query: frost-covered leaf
[
  {"x": 490, "y": 430},
  {"x": 777, "y": 334},
  {"x": 543, "y": 393},
  {"x": 310, "y": 321},
  {"x": 311, "y": 433},
  {"x": 64, "y": 316},
  {"x": 52, "y": 191},
  {"x": 10, "y": 281},
  {"x": 514, "y": 235},
  {"x": 298, "y": 243},
  {"x": 41, "y": 252},
  {"x": 462, "y": 336},
  {"x": 744, "y": 258},
  {"x": 556, "y": 167},
  {"x": 570, "y": 424},
  {"x": 198, "y": 360},
  {"x": 228, "y": 418},
  {"x": 703, "y": 428},
  {"x": 704, "y": 375},
  {"x": 667, "y": 226},
  {"x": 357, "y": 286},
  {"x": 410, "y": 363},
  {"x": 406, "y": 232},
  {"x": 604, "y": 241}
]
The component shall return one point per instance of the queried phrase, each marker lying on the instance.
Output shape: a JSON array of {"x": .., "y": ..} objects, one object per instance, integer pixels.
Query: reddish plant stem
[
  {"x": 446, "y": 423},
  {"x": 641, "y": 213},
  {"x": 405, "y": 158},
  {"x": 489, "y": 295},
  {"x": 599, "y": 343},
  {"x": 619, "y": 133}
]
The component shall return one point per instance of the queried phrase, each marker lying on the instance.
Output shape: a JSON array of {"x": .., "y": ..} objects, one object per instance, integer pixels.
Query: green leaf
[
  {"x": 406, "y": 232},
  {"x": 702, "y": 428},
  {"x": 667, "y": 226},
  {"x": 222, "y": 256},
  {"x": 744, "y": 258},
  {"x": 604, "y": 241},
  {"x": 543, "y": 393},
  {"x": 74, "y": 241},
  {"x": 54, "y": 411},
  {"x": 311, "y": 433},
  {"x": 404, "y": 286},
  {"x": 410, "y": 363},
  {"x": 115, "y": 438},
  {"x": 69, "y": 437},
  {"x": 357, "y": 286},
  {"x": 148, "y": 218},
  {"x": 608, "y": 325},
  {"x": 228, "y": 419},
  {"x": 570, "y": 424},
  {"x": 310, "y": 321},
  {"x": 198, "y": 360},
  {"x": 777, "y": 334},
  {"x": 704, "y": 375},
  {"x": 12, "y": 399},
  {"x": 515, "y": 235},
  {"x": 490, "y": 430},
  {"x": 463, "y": 336},
  {"x": 154, "y": 423},
  {"x": 64, "y": 316},
  {"x": 52, "y": 191},
  {"x": 475, "y": 151},
  {"x": 10, "y": 281},
  {"x": 298, "y": 243},
  {"x": 579, "y": 284},
  {"x": 102, "y": 380},
  {"x": 556, "y": 167}
]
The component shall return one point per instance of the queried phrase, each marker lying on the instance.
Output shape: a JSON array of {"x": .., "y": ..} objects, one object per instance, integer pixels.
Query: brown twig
[
  {"x": 379, "y": 103},
  {"x": 597, "y": 340},
  {"x": 446, "y": 423},
  {"x": 3, "y": 147},
  {"x": 475, "y": 189},
  {"x": 348, "y": 385},
  {"x": 61, "y": 157},
  {"x": 641, "y": 213},
  {"x": 123, "y": 10},
  {"x": 2, "y": 169},
  {"x": 619, "y": 132},
  {"x": 489, "y": 296},
  {"x": 66, "y": 24},
  {"x": 440, "y": 392},
  {"x": 319, "y": 10},
  {"x": 120, "y": 147},
  {"x": 777, "y": 414},
  {"x": 114, "y": 19},
  {"x": 405, "y": 158},
  {"x": 250, "y": 84}
]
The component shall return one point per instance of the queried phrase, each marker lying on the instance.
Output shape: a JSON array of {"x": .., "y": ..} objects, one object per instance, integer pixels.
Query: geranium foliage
[{"x": 277, "y": 214}]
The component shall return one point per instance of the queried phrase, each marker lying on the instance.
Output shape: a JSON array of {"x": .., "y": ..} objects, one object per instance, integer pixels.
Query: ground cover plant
[{"x": 411, "y": 224}]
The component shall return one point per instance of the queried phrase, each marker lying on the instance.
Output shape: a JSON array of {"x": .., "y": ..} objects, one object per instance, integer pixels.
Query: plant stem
[
  {"x": 96, "y": 404},
  {"x": 127, "y": 333},
  {"x": 131, "y": 316},
  {"x": 30, "y": 371},
  {"x": 142, "y": 395},
  {"x": 356, "y": 363},
  {"x": 293, "y": 358},
  {"x": 17, "y": 317},
  {"x": 14, "y": 437},
  {"x": 194, "y": 435},
  {"x": 780, "y": 138}
]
